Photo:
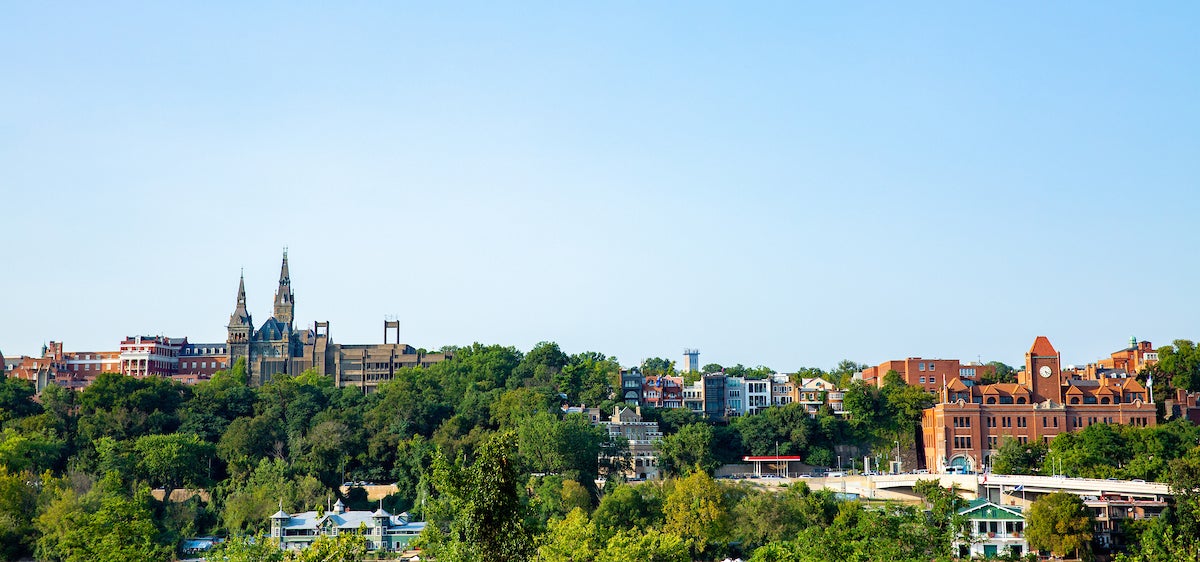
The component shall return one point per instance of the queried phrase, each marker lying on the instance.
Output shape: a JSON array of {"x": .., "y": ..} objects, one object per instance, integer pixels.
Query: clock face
[{"x": 1045, "y": 371}]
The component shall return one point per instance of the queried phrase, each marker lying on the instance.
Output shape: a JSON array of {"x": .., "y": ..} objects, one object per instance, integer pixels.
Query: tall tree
[
  {"x": 689, "y": 449},
  {"x": 478, "y": 514},
  {"x": 1061, "y": 523},
  {"x": 695, "y": 511}
]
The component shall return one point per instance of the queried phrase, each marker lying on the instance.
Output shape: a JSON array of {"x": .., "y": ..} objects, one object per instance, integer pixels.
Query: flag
[
  {"x": 985, "y": 478},
  {"x": 1018, "y": 488}
]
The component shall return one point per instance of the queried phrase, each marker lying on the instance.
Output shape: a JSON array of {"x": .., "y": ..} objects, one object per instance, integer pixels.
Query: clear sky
[{"x": 772, "y": 183}]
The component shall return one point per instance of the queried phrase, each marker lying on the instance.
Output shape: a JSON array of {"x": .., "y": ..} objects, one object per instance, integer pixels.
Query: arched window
[
  {"x": 991, "y": 400},
  {"x": 1020, "y": 400},
  {"x": 1074, "y": 399},
  {"x": 1104, "y": 400}
]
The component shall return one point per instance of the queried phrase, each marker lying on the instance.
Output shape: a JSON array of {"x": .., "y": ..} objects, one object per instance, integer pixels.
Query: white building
[{"x": 995, "y": 530}]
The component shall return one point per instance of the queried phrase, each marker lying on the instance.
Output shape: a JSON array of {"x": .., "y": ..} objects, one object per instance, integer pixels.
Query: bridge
[{"x": 900, "y": 486}]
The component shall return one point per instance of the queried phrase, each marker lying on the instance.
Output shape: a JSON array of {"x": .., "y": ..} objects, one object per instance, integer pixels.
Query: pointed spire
[
  {"x": 241, "y": 298},
  {"x": 285, "y": 278}
]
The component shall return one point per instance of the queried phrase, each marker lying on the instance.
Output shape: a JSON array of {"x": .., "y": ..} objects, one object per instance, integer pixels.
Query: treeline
[{"x": 71, "y": 459}]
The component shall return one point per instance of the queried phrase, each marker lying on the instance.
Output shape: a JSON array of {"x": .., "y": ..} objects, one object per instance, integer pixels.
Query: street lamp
[{"x": 897, "y": 455}]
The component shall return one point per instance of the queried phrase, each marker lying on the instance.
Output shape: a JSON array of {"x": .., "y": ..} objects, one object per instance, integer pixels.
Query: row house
[
  {"x": 717, "y": 396},
  {"x": 815, "y": 392},
  {"x": 662, "y": 392}
]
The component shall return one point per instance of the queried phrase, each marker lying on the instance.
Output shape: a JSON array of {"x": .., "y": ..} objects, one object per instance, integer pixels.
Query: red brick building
[
  {"x": 929, "y": 374},
  {"x": 968, "y": 423}
]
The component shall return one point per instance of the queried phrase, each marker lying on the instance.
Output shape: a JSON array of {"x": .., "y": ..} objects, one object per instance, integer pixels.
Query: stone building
[{"x": 278, "y": 347}]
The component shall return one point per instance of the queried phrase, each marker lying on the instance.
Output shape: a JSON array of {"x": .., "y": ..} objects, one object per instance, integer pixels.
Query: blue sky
[{"x": 773, "y": 183}]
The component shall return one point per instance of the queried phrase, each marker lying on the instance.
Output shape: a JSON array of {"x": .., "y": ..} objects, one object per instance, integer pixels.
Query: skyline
[{"x": 779, "y": 185}]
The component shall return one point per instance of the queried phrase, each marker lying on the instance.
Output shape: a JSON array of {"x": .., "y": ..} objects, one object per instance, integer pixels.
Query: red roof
[
  {"x": 772, "y": 458},
  {"x": 1042, "y": 348}
]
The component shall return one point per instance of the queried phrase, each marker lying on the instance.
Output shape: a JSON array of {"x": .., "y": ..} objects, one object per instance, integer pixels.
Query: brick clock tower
[{"x": 1043, "y": 371}]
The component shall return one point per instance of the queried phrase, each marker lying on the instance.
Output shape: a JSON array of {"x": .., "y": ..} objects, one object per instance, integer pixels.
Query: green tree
[
  {"x": 689, "y": 449},
  {"x": 1013, "y": 457},
  {"x": 625, "y": 507},
  {"x": 173, "y": 460},
  {"x": 1180, "y": 363},
  {"x": 249, "y": 501},
  {"x": 247, "y": 548},
  {"x": 999, "y": 373},
  {"x": 104, "y": 525},
  {"x": 32, "y": 452},
  {"x": 18, "y": 504},
  {"x": 345, "y": 547},
  {"x": 16, "y": 398},
  {"x": 695, "y": 510},
  {"x": 1061, "y": 523},
  {"x": 478, "y": 514},
  {"x": 571, "y": 539},
  {"x": 651, "y": 546}
]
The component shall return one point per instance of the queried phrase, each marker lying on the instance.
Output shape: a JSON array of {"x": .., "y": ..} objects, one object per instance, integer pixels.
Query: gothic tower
[
  {"x": 240, "y": 327},
  {"x": 285, "y": 303}
]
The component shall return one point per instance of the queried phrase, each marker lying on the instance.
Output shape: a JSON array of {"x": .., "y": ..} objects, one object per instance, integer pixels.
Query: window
[
  {"x": 1045, "y": 421},
  {"x": 921, "y": 366},
  {"x": 1022, "y": 440},
  {"x": 931, "y": 366},
  {"x": 1055, "y": 422},
  {"x": 962, "y": 442},
  {"x": 992, "y": 441},
  {"x": 922, "y": 379},
  {"x": 1021, "y": 422}
]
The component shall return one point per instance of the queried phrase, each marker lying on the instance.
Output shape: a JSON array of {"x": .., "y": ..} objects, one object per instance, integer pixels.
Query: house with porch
[
  {"x": 995, "y": 530},
  {"x": 383, "y": 531}
]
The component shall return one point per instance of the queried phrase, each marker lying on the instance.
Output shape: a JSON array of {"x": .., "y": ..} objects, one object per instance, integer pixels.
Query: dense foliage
[{"x": 480, "y": 448}]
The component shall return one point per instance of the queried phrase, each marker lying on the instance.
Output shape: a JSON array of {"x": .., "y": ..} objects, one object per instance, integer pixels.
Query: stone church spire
[
  {"x": 241, "y": 326},
  {"x": 285, "y": 303}
]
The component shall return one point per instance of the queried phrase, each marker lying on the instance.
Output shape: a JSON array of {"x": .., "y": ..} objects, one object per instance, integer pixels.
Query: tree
[
  {"x": 658, "y": 366},
  {"x": 172, "y": 460},
  {"x": 249, "y": 501},
  {"x": 648, "y": 546},
  {"x": 571, "y": 539},
  {"x": 999, "y": 372},
  {"x": 18, "y": 504},
  {"x": 625, "y": 507},
  {"x": 1183, "y": 477},
  {"x": 104, "y": 525},
  {"x": 478, "y": 514},
  {"x": 345, "y": 547},
  {"x": 1013, "y": 457},
  {"x": 1061, "y": 523},
  {"x": 695, "y": 511},
  {"x": 29, "y": 451},
  {"x": 1180, "y": 362},
  {"x": 16, "y": 398},
  {"x": 689, "y": 449},
  {"x": 247, "y": 548}
]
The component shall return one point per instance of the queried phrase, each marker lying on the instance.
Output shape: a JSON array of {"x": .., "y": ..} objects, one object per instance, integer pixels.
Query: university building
[
  {"x": 967, "y": 425},
  {"x": 278, "y": 347}
]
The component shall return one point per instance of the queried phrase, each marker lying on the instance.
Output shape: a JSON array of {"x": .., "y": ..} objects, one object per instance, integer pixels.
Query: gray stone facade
[{"x": 278, "y": 348}]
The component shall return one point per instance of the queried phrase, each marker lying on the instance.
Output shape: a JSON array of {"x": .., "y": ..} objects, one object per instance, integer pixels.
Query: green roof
[{"x": 984, "y": 509}]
